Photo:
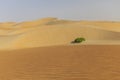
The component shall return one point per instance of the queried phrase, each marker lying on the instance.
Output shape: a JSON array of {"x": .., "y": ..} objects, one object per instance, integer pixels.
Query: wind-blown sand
[
  {"x": 42, "y": 50},
  {"x": 61, "y": 63}
]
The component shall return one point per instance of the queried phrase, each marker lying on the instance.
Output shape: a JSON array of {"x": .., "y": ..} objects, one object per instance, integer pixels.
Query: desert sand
[
  {"x": 77, "y": 62},
  {"x": 42, "y": 50}
]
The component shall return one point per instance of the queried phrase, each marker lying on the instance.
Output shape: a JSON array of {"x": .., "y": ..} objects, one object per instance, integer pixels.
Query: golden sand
[
  {"x": 42, "y": 50},
  {"x": 88, "y": 62}
]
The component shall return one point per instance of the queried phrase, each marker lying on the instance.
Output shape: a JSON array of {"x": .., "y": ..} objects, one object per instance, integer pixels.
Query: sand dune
[
  {"x": 61, "y": 63},
  {"x": 53, "y": 31},
  {"x": 60, "y": 35},
  {"x": 107, "y": 25},
  {"x": 42, "y": 50}
]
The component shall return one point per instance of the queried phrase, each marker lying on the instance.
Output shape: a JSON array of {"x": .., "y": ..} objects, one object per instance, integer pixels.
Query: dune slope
[{"x": 62, "y": 35}]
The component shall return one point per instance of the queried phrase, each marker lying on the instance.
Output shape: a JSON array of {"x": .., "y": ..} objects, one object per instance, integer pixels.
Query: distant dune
[{"x": 53, "y": 31}]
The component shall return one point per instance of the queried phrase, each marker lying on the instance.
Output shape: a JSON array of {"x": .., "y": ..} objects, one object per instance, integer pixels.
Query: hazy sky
[{"x": 20, "y": 10}]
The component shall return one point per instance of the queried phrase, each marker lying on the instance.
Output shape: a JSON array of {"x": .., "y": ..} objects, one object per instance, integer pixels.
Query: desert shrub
[{"x": 79, "y": 40}]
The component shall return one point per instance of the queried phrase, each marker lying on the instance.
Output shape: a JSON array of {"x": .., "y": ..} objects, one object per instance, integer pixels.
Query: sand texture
[{"x": 61, "y": 63}]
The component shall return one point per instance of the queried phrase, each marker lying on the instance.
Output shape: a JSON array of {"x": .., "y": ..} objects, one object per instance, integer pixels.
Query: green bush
[{"x": 79, "y": 40}]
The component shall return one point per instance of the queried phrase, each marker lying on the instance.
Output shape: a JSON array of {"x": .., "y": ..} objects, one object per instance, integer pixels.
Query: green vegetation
[{"x": 79, "y": 40}]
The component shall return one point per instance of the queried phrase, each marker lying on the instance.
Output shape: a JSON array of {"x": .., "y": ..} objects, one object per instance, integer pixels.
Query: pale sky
[{"x": 22, "y": 10}]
